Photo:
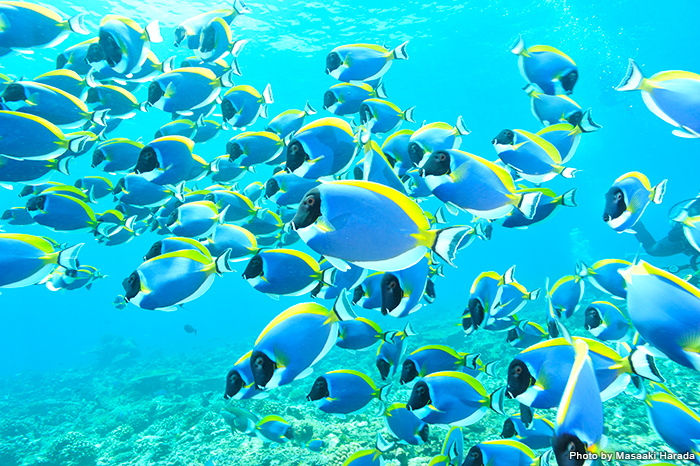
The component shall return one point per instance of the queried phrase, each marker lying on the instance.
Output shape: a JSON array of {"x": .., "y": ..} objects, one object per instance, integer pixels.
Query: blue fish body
[
  {"x": 328, "y": 145},
  {"x": 285, "y": 272},
  {"x": 546, "y": 67},
  {"x": 676, "y": 423},
  {"x": 396, "y": 147},
  {"x": 28, "y": 259},
  {"x": 116, "y": 155},
  {"x": 457, "y": 399},
  {"x": 239, "y": 240},
  {"x": 381, "y": 116},
  {"x": 565, "y": 295},
  {"x": 551, "y": 109},
  {"x": 404, "y": 425},
  {"x": 255, "y": 147},
  {"x": 362, "y": 62},
  {"x": 665, "y": 310},
  {"x": 537, "y": 436},
  {"x": 347, "y": 98},
  {"x": 349, "y": 392},
  {"x": 289, "y": 189},
  {"x": 357, "y": 334},
  {"x": 295, "y": 340},
  {"x": 186, "y": 89}
]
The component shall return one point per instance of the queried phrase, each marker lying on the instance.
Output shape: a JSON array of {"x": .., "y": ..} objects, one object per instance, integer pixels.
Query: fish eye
[
  {"x": 618, "y": 196},
  {"x": 442, "y": 157},
  {"x": 392, "y": 285},
  {"x": 518, "y": 370},
  {"x": 310, "y": 201}
]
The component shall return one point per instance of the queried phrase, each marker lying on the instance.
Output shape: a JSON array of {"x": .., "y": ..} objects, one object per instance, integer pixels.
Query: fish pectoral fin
[
  {"x": 170, "y": 91},
  {"x": 324, "y": 225},
  {"x": 433, "y": 408},
  {"x": 339, "y": 264}
]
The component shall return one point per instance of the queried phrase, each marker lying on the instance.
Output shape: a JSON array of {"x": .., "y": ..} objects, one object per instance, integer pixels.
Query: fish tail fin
[
  {"x": 527, "y": 204},
  {"x": 152, "y": 32},
  {"x": 489, "y": 368},
  {"x": 240, "y": 7},
  {"x": 62, "y": 165},
  {"x": 223, "y": 264},
  {"x": 226, "y": 79},
  {"x": 342, "y": 308},
  {"x": 222, "y": 215},
  {"x": 143, "y": 106},
  {"x": 237, "y": 47},
  {"x": 531, "y": 90},
  {"x": 380, "y": 91},
  {"x": 633, "y": 80},
  {"x": 98, "y": 116},
  {"x": 77, "y": 141},
  {"x": 582, "y": 270},
  {"x": 179, "y": 191},
  {"x": 308, "y": 109},
  {"x": 383, "y": 392},
  {"x": 642, "y": 364},
  {"x": 470, "y": 361},
  {"x": 534, "y": 294},
  {"x": 107, "y": 229},
  {"x": 77, "y": 24},
  {"x": 267, "y": 95},
  {"x": 448, "y": 240},
  {"x": 409, "y": 331},
  {"x": 408, "y": 114},
  {"x": 399, "y": 53},
  {"x": 68, "y": 258},
  {"x": 460, "y": 128},
  {"x": 568, "y": 172},
  {"x": 658, "y": 192},
  {"x": 568, "y": 199},
  {"x": 167, "y": 64},
  {"x": 130, "y": 222},
  {"x": 518, "y": 47},
  {"x": 496, "y": 400},
  {"x": 587, "y": 124}
]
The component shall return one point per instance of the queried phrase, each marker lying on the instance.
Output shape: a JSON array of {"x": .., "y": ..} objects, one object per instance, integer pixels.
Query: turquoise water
[{"x": 138, "y": 389}]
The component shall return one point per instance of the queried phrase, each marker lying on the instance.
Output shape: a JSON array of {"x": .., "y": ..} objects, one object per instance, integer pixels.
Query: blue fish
[
  {"x": 240, "y": 241},
  {"x": 172, "y": 279},
  {"x": 169, "y": 160},
  {"x": 195, "y": 219},
  {"x": 66, "y": 80},
  {"x": 605, "y": 275},
  {"x": 565, "y": 295},
  {"x": 551, "y": 109},
  {"x": 315, "y": 445},
  {"x": 546, "y": 206},
  {"x": 391, "y": 350},
  {"x": 550, "y": 69},
  {"x": 286, "y": 189},
  {"x": 73, "y": 57},
  {"x": 96, "y": 187},
  {"x": 28, "y": 137},
  {"x": 117, "y": 155},
  {"x": 362, "y": 62},
  {"x": 377, "y": 168},
  {"x": 491, "y": 193},
  {"x": 273, "y": 428},
  {"x": 321, "y": 148},
  {"x": 532, "y": 157},
  {"x": 526, "y": 334},
  {"x": 346, "y": 99},
  {"x": 434, "y": 137},
  {"x": 606, "y": 322},
  {"x": 580, "y": 413},
  {"x": 26, "y": 259},
  {"x": 282, "y": 272},
  {"x": 452, "y": 398},
  {"x": 28, "y": 25},
  {"x": 435, "y": 358},
  {"x": 216, "y": 43},
  {"x": 294, "y": 341},
  {"x": 670, "y": 95},
  {"x": 627, "y": 199},
  {"x": 242, "y": 105},
  {"x": 565, "y": 136},
  {"x": 188, "y": 32},
  {"x": 405, "y": 426},
  {"x": 17, "y": 216},
  {"x": 500, "y": 453},
  {"x": 359, "y": 333},
  {"x": 185, "y": 90},
  {"x": 481, "y": 299},
  {"x": 331, "y": 223},
  {"x": 537, "y": 376},
  {"x": 173, "y": 244},
  {"x": 181, "y": 127},
  {"x": 536, "y": 436},
  {"x": 344, "y": 392},
  {"x": 240, "y": 420},
  {"x": 123, "y": 45},
  {"x": 665, "y": 311},
  {"x": 382, "y": 116},
  {"x": 254, "y": 147},
  {"x": 511, "y": 297},
  {"x": 289, "y": 121},
  {"x": 675, "y": 422},
  {"x": 31, "y": 171}
]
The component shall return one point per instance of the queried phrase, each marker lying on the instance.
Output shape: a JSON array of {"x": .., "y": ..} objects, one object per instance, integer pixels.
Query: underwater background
[{"x": 82, "y": 382}]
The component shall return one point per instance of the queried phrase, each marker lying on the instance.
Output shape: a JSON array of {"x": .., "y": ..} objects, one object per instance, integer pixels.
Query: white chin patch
[{"x": 617, "y": 222}]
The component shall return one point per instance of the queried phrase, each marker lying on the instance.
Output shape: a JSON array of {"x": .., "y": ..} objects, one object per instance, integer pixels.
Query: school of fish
[{"x": 340, "y": 219}]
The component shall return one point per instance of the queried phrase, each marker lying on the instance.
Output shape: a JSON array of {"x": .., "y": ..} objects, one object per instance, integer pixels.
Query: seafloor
[{"x": 126, "y": 409}]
